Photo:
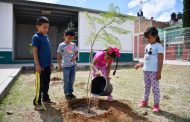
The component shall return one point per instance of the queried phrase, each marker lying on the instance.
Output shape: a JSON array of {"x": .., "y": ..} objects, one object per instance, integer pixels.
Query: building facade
[{"x": 18, "y": 26}]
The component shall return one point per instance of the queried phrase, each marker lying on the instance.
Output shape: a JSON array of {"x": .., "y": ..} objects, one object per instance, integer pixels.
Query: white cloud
[
  {"x": 155, "y": 8},
  {"x": 164, "y": 17},
  {"x": 131, "y": 13},
  {"x": 134, "y": 3}
]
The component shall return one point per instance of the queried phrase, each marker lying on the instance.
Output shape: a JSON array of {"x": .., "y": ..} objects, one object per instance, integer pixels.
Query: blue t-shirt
[
  {"x": 67, "y": 51},
  {"x": 151, "y": 57},
  {"x": 44, "y": 51}
]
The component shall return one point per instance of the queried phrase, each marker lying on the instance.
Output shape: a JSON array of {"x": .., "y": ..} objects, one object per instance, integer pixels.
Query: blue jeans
[{"x": 69, "y": 78}]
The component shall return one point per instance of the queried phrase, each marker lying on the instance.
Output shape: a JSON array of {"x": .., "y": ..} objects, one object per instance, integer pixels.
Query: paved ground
[{"x": 7, "y": 75}]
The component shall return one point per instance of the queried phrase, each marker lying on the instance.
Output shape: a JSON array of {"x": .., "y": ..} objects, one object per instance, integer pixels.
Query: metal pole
[
  {"x": 138, "y": 40},
  {"x": 164, "y": 45}
]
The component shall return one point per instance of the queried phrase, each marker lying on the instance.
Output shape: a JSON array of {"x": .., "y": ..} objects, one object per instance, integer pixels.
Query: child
[
  {"x": 103, "y": 61},
  {"x": 42, "y": 60},
  {"x": 68, "y": 52},
  {"x": 152, "y": 66}
]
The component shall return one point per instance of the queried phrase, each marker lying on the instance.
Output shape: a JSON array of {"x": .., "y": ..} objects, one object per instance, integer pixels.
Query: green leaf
[
  {"x": 98, "y": 20},
  {"x": 119, "y": 30},
  {"x": 111, "y": 39}
]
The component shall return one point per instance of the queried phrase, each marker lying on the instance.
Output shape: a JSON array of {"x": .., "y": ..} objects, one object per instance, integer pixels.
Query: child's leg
[
  {"x": 37, "y": 99},
  {"x": 155, "y": 88},
  {"x": 147, "y": 85},
  {"x": 66, "y": 72},
  {"x": 46, "y": 77},
  {"x": 72, "y": 78}
]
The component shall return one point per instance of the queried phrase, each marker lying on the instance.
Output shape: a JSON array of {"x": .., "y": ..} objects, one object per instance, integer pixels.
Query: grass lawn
[{"x": 128, "y": 85}]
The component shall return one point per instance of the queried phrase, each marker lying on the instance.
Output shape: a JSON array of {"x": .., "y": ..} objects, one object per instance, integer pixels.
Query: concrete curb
[{"x": 8, "y": 83}]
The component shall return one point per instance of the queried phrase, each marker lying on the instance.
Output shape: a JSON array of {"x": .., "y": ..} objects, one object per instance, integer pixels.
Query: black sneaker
[
  {"x": 72, "y": 96},
  {"x": 67, "y": 97},
  {"x": 48, "y": 101}
]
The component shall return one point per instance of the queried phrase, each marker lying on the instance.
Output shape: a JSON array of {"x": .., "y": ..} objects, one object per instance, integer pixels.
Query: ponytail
[
  {"x": 158, "y": 39},
  {"x": 117, "y": 60}
]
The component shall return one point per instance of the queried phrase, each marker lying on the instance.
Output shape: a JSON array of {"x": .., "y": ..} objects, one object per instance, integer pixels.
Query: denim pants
[{"x": 69, "y": 78}]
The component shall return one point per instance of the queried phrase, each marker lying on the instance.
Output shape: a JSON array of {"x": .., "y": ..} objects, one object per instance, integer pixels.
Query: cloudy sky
[{"x": 159, "y": 9}]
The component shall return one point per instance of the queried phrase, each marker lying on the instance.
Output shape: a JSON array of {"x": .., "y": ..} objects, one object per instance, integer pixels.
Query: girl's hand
[
  {"x": 108, "y": 78},
  {"x": 137, "y": 66},
  {"x": 158, "y": 76},
  {"x": 38, "y": 68},
  {"x": 98, "y": 73}
]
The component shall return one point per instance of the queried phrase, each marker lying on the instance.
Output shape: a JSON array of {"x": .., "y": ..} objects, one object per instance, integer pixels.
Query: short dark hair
[
  {"x": 69, "y": 33},
  {"x": 41, "y": 20}
]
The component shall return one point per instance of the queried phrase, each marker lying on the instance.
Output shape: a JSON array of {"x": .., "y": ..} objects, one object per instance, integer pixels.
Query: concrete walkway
[{"x": 8, "y": 74}]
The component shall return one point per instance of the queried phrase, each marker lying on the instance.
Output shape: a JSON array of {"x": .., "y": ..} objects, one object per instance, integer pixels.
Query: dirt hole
[{"x": 106, "y": 111}]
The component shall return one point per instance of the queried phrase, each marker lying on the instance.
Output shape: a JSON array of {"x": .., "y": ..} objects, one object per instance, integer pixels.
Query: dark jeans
[
  {"x": 42, "y": 85},
  {"x": 69, "y": 78}
]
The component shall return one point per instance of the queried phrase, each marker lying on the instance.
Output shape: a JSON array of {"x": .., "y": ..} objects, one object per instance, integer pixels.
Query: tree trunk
[{"x": 186, "y": 25}]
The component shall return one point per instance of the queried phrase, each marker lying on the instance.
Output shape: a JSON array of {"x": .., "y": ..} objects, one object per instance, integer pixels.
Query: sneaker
[
  {"x": 156, "y": 108},
  {"x": 67, "y": 97},
  {"x": 110, "y": 98},
  {"x": 39, "y": 107},
  {"x": 72, "y": 96},
  {"x": 48, "y": 101},
  {"x": 143, "y": 104}
]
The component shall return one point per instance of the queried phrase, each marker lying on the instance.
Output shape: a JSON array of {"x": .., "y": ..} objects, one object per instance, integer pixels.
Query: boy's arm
[
  {"x": 75, "y": 53},
  {"x": 160, "y": 65},
  {"x": 74, "y": 57},
  {"x": 59, "y": 57},
  {"x": 36, "y": 60}
]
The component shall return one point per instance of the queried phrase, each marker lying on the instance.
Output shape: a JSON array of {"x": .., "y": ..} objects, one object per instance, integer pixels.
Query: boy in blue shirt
[
  {"x": 42, "y": 60},
  {"x": 67, "y": 55}
]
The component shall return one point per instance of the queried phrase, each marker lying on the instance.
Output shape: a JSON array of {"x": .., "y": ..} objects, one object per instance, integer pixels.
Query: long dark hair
[{"x": 153, "y": 32}]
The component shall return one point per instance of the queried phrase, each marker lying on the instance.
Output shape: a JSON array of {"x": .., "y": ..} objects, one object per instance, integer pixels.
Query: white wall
[
  {"x": 126, "y": 40},
  {"x": 6, "y": 26}
]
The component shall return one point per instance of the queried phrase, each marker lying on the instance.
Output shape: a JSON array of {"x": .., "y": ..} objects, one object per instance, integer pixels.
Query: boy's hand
[
  {"x": 73, "y": 59},
  {"x": 158, "y": 76},
  {"x": 52, "y": 66},
  {"x": 137, "y": 66},
  {"x": 59, "y": 68},
  {"x": 38, "y": 68}
]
